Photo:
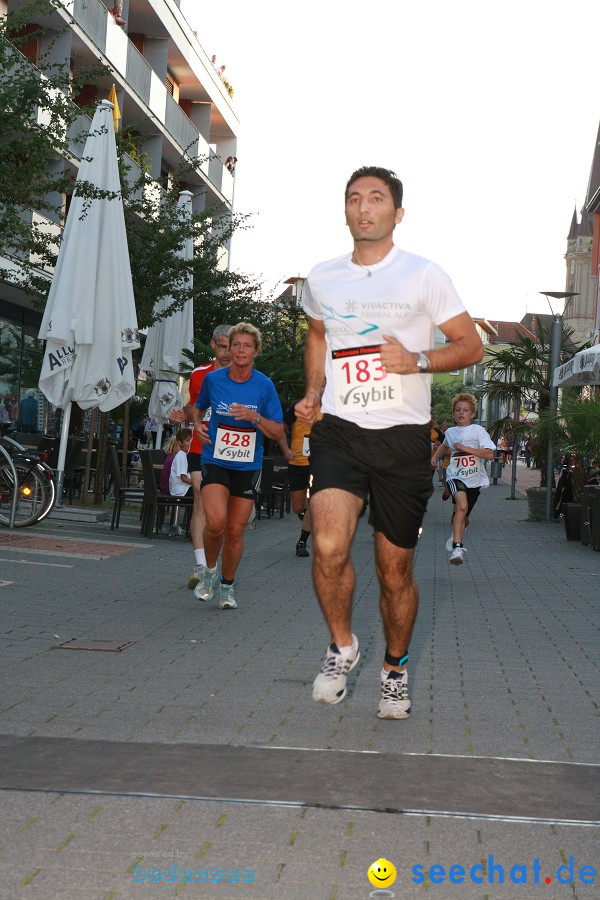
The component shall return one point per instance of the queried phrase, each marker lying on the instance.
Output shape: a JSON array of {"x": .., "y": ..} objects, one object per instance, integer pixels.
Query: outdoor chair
[
  {"x": 74, "y": 455},
  {"x": 155, "y": 502},
  {"x": 121, "y": 494},
  {"x": 273, "y": 488}
]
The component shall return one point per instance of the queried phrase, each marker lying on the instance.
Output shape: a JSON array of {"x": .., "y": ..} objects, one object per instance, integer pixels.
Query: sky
[{"x": 485, "y": 110}]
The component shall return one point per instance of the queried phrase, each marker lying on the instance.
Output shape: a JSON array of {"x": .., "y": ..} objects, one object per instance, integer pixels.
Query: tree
[
  {"x": 575, "y": 430},
  {"x": 441, "y": 401},
  {"x": 36, "y": 136},
  {"x": 156, "y": 231},
  {"x": 522, "y": 371}
]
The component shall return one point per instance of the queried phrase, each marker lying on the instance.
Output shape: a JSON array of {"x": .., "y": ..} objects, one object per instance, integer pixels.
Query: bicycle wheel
[{"x": 34, "y": 495}]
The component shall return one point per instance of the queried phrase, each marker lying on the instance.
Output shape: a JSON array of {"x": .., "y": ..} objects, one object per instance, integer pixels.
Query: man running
[
  {"x": 370, "y": 333},
  {"x": 466, "y": 444},
  {"x": 243, "y": 406},
  {"x": 299, "y": 474},
  {"x": 220, "y": 346}
]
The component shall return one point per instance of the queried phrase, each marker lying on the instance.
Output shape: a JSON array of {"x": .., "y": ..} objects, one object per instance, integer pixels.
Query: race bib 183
[
  {"x": 360, "y": 382},
  {"x": 235, "y": 444}
]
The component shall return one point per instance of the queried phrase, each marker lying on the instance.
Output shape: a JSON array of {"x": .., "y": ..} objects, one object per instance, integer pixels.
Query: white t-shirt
[
  {"x": 404, "y": 296},
  {"x": 467, "y": 468},
  {"x": 177, "y": 487}
]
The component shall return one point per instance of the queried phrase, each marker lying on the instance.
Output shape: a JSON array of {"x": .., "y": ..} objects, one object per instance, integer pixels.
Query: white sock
[{"x": 200, "y": 557}]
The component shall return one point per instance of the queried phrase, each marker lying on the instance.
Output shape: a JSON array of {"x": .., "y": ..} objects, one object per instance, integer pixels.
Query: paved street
[{"x": 198, "y": 746}]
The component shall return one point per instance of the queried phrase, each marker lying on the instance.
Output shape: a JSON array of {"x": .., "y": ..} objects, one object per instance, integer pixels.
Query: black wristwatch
[{"x": 423, "y": 363}]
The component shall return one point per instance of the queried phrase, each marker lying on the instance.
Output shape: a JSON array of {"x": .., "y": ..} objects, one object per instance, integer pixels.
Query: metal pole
[
  {"x": 515, "y": 451},
  {"x": 62, "y": 454},
  {"x": 557, "y": 327}
]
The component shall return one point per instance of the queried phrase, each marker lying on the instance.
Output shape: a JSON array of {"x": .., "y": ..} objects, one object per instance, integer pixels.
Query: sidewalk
[{"x": 199, "y": 744}]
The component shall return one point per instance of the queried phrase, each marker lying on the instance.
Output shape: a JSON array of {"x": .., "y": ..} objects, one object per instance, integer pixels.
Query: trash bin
[
  {"x": 496, "y": 467},
  {"x": 572, "y": 519}
]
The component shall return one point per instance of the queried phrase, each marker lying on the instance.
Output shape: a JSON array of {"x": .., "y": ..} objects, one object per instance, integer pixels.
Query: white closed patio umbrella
[
  {"x": 90, "y": 322},
  {"x": 583, "y": 368},
  {"x": 163, "y": 357}
]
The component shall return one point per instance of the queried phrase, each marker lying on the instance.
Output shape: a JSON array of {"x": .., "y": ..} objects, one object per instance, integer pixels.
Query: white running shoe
[
  {"x": 330, "y": 684},
  {"x": 195, "y": 576},
  {"x": 457, "y": 557},
  {"x": 394, "y": 703},
  {"x": 226, "y": 597},
  {"x": 207, "y": 584},
  {"x": 449, "y": 544}
]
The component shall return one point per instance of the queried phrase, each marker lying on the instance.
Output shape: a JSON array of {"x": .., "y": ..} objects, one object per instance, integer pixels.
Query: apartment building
[{"x": 169, "y": 93}]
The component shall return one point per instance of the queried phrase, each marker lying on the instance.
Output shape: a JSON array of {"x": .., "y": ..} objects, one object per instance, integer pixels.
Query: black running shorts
[
  {"x": 391, "y": 467},
  {"x": 298, "y": 477},
  {"x": 455, "y": 485},
  {"x": 194, "y": 461},
  {"x": 239, "y": 482}
]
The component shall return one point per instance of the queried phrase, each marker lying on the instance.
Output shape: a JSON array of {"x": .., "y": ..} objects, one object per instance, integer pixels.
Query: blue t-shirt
[{"x": 236, "y": 443}]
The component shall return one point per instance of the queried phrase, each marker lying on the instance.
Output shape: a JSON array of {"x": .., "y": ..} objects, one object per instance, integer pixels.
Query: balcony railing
[
  {"x": 183, "y": 130},
  {"x": 92, "y": 15},
  {"x": 138, "y": 73}
]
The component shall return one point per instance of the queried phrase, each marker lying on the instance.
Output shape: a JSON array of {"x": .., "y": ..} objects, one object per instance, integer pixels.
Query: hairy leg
[
  {"x": 399, "y": 597},
  {"x": 334, "y": 517}
]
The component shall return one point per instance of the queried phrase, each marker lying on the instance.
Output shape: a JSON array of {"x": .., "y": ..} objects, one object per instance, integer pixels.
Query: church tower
[{"x": 580, "y": 310}]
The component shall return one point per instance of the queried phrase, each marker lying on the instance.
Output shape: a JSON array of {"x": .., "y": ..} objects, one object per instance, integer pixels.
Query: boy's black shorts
[
  {"x": 455, "y": 485},
  {"x": 391, "y": 467}
]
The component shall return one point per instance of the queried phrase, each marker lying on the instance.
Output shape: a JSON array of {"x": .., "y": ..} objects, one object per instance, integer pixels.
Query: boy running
[{"x": 467, "y": 445}]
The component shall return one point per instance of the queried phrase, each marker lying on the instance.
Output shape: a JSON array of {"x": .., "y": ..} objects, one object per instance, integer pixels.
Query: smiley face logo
[{"x": 382, "y": 873}]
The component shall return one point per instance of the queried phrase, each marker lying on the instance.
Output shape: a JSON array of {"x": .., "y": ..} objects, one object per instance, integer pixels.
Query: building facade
[{"x": 170, "y": 95}]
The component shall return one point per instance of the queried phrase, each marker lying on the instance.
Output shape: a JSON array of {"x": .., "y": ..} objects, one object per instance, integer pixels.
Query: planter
[
  {"x": 536, "y": 499},
  {"x": 572, "y": 519}
]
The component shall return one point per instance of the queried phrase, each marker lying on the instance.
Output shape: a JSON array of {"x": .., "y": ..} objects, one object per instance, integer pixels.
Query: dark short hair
[{"x": 386, "y": 175}]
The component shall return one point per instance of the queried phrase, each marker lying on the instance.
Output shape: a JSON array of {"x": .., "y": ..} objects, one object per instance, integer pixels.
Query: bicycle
[{"x": 35, "y": 490}]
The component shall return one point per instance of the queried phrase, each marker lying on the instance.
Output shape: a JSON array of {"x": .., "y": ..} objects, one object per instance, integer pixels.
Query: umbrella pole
[
  {"x": 62, "y": 454},
  {"x": 159, "y": 431}
]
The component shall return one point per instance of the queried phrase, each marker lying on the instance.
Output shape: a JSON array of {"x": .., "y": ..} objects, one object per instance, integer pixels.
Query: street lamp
[
  {"x": 297, "y": 284},
  {"x": 557, "y": 328}
]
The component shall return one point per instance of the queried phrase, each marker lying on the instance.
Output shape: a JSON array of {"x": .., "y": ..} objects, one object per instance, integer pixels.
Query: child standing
[
  {"x": 467, "y": 445},
  {"x": 179, "y": 479}
]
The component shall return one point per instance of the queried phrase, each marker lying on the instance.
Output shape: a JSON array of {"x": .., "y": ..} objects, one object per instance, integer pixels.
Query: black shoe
[
  {"x": 446, "y": 492},
  {"x": 301, "y": 549}
]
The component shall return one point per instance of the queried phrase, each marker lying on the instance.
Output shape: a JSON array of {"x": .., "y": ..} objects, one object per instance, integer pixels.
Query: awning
[{"x": 584, "y": 368}]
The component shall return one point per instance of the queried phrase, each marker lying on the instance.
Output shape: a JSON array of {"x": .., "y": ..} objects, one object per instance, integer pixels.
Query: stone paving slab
[
  {"x": 503, "y": 665},
  {"x": 57, "y": 846}
]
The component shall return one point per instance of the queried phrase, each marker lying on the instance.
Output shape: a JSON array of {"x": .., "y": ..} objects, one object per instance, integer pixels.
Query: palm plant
[
  {"x": 575, "y": 430},
  {"x": 523, "y": 371}
]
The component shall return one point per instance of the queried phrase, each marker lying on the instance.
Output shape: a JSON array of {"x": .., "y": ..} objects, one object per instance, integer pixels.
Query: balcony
[{"x": 91, "y": 15}]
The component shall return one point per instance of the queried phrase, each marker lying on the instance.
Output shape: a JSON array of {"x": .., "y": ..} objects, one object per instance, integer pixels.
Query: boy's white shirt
[
  {"x": 177, "y": 487},
  {"x": 471, "y": 436}
]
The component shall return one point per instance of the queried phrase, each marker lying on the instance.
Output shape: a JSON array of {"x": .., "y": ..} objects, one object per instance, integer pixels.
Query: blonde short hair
[
  {"x": 246, "y": 328},
  {"x": 465, "y": 398}
]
